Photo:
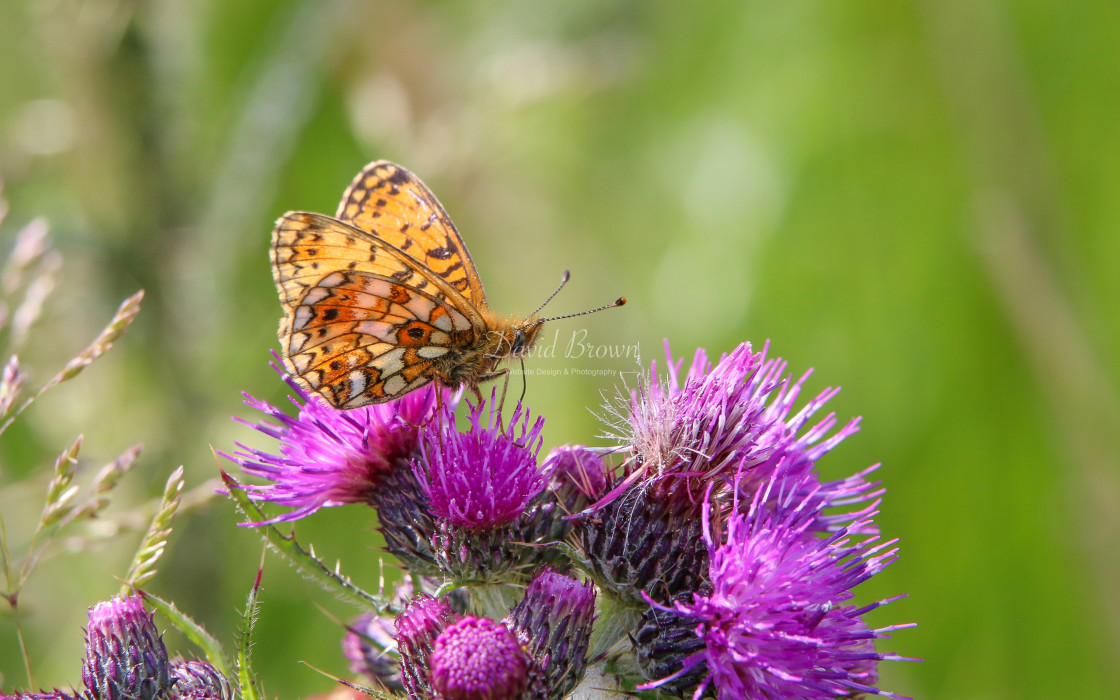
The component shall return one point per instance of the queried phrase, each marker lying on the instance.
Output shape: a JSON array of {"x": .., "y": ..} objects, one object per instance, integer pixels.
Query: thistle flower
[
  {"x": 329, "y": 457},
  {"x": 576, "y": 475},
  {"x": 720, "y": 420},
  {"x": 553, "y": 622},
  {"x": 481, "y": 479},
  {"x": 640, "y": 544},
  {"x": 716, "y": 525},
  {"x": 775, "y": 623},
  {"x": 479, "y": 659},
  {"x": 125, "y": 655},
  {"x": 663, "y": 641},
  {"x": 367, "y": 644},
  {"x": 406, "y": 522},
  {"x": 477, "y": 484},
  {"x": 538, "y": 651},
  {"x": 418, "y": 624},
  {"x": 198, "y": 680},
  {"x": 728, "y": 423}
]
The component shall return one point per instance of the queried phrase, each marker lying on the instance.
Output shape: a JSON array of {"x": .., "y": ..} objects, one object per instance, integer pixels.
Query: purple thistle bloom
[
  {"x": 330, "y": 457},
  {"x": 718, "y": 430},
  {"x": 719, "y": 420},
  {"x": 371, "y": 644},
  {"x": 577, "y": 476},
  {"x": 125, "y": 655},
  {"x": 774, "y": 623},
  {"x": 481, "y": 480},
  {"x": 479, "y": 659},
  {"x": 198, "y": 680}
]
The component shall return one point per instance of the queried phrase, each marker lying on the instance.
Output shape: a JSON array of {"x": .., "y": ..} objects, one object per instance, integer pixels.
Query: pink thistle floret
[
  {"x": 330, "y": 457},
  {"x": 576, "y": 474},
  {"x": 735, "y": 417},
  {"x": 775, "y": 623},
  {"x": 479, "y": 659},
  {"x": 483, "y": 478}
]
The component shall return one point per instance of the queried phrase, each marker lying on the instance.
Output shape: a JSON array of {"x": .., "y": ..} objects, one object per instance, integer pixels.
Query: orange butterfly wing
[
  {"x": 364, "y": 321},
  {"x": 391, "y": 203}
]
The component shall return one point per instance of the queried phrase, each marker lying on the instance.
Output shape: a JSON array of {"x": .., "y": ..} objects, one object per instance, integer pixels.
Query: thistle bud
[
  {"x": 198, "y": 680},
  {"x": 553, "y": 621},
  {"x": 418, "y": 625},
  {"x": 125, "y": 655}
]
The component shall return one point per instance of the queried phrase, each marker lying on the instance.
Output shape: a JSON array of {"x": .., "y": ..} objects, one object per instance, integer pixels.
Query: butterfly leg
[
  {"x": 443, "y": 383},
  {"x": 439, "y": 414},
  {"x": 505, "y": 387},
  {"x": 494, "y": 375}
]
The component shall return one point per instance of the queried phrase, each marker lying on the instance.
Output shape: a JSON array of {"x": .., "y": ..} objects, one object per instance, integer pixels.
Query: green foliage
[{"x": 195, "y": 632}]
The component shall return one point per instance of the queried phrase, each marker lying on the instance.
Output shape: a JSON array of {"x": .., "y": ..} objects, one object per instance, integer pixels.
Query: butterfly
[{"x": 383, "y": 298}]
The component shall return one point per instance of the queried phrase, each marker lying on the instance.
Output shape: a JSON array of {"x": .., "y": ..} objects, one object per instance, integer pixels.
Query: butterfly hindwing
[
  {"x": 359, "y": 376},
  {"x": 364, "y": 322}
]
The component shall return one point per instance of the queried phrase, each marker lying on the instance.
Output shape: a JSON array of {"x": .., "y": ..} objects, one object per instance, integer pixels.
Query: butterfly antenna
[
  {"x": 621, "y": 301},
  {"x": 563, "y": 280}
]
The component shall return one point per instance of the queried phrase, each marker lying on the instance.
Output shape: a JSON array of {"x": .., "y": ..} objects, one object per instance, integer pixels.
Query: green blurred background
[{"x": 918, "y": 199}]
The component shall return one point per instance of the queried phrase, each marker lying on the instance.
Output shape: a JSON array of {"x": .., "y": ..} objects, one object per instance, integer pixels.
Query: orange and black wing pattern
[
  {"x": 364, "y": 322},
  {"x": 391, "y": 203}
]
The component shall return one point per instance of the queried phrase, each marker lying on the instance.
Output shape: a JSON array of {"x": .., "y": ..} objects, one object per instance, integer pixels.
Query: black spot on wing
[
  {"x": 399, "y": 177},
  {"x": 448, "y": 251}
]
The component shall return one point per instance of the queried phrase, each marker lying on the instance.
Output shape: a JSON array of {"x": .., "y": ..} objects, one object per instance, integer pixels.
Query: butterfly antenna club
[
  {"x": 621, "y": 301},
  {"x": 563, "y": 280}
]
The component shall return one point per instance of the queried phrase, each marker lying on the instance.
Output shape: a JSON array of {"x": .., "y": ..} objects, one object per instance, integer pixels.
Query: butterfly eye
[{"x": 518, "y": 342}]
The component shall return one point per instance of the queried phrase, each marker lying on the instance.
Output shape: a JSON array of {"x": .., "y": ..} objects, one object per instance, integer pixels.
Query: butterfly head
[
  {"x": 515, "y": 339},
  {"x": 524, "y": 338}
]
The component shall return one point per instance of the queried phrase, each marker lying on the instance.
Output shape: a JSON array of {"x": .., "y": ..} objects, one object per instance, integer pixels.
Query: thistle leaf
[
  {"x": 245, "y": 677},
  {"x": 304, "y": 561},
  {"x": 193, "y": 631}
]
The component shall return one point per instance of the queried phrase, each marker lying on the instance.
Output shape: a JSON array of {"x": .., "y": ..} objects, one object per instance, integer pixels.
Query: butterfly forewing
[
  {"x": 364, "y": 321},
  {"x": 394, "y": 205}
]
